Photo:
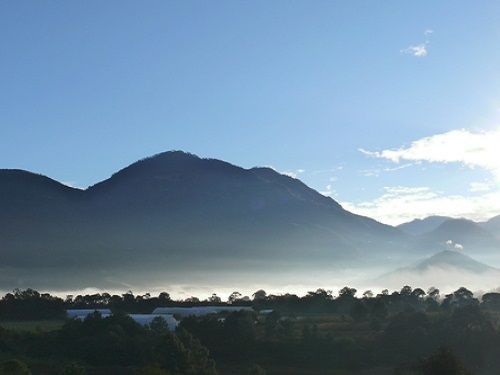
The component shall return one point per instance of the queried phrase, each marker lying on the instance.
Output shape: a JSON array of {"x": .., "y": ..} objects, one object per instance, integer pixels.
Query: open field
[{"x": 33, "y": 325}]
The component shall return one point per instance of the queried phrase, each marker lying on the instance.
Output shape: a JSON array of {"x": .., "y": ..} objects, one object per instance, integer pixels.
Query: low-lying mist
[{"x": 223, "y": 278}]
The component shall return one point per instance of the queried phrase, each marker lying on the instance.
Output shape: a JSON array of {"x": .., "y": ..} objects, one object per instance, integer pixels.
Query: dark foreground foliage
[
  {"x": 116, "y": 342},
  {"x": 410, "y": 332}
]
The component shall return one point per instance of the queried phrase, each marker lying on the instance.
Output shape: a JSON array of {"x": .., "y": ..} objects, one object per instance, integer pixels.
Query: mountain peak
[
  {"x": 456, "y": 227},
  {"x": 453, "y": 259},
  {"x": 418, "y": 227}
]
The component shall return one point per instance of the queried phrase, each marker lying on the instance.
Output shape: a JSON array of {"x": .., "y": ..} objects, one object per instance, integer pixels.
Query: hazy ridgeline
[
  {"x": 176, "y": 219},
  {"x": 406, "y": 332}
]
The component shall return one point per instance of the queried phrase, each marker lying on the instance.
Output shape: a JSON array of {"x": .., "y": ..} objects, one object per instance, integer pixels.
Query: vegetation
[{"x": 410, "y": 332}]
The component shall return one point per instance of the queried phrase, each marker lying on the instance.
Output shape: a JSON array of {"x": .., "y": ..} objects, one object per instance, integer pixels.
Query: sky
[{"x": 391, "y": 108}]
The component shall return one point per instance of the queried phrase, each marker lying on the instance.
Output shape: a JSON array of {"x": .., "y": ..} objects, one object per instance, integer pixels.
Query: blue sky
[{"x": 89, "y": 87}]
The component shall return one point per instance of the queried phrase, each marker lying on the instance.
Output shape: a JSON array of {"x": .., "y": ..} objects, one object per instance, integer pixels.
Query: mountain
[
  {"x": 492, "y": 226},
  {"x": 463, "y": 233},
  {"x": 452, "y": 259},
  {"x": 420, "y": 226},
  {"x": 175, "y": 214},
  {"x": 447, "y": 269}
]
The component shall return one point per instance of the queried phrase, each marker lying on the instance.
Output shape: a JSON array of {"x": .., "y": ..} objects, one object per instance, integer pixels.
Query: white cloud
[
  {"x": 378, "y": 171},
  {"x": 400, "y": 204},
  {"x": 329, "y": 191},
  {"x": 476, "y": 187},
  {"x": 289, "y": 174},
  {"x": 419, "y": 50},
  {"x": 478, "y": 149},
  {"x": 454, "y": 245},
  {"x": 293, "y": 174},
  {"x": 473, "y": 149}
]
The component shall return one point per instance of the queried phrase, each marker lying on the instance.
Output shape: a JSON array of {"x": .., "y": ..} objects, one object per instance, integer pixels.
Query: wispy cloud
[
  {"x": 420, "y": 49},
  {"x": 401, "y": 204},
  {"x": 472, "y": 149},
  {"x": 481, "y": 186},
  {"x": 329, "y": 191},
  {"x": 377, "y": 171},
  {"x": 294, "y": 173}
]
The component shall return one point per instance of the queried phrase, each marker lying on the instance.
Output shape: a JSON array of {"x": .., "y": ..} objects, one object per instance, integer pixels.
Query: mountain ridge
[
  {"x": 418, "y": 227},
  {"x": 177, "y": 211}
]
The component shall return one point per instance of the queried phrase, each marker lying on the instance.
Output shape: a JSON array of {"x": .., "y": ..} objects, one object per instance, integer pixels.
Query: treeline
[
  {"x": 31, "y": 305},
  {"x": 408, "y": 332}
]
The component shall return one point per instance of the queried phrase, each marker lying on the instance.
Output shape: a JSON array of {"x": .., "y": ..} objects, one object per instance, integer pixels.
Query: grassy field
[{"x": 33, "y": 326}]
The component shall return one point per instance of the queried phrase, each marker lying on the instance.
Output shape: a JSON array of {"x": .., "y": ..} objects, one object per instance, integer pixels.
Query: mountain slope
[
  {"x": 447, "y": 270},
  {"x": 492, "y": 226},
  {"x": 421, "y": 226},
  {"x": 452, "y": 259},
  {"x": 466, "y": 233},
  {"x": 176, "y": 211}
]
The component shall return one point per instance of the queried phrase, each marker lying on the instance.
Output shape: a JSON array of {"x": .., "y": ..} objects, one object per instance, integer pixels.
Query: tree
[
  {"x": 259, "y": 295},
  {"x": 347, "y": 292},
  {"x": 214, "y": 298},
  {"x": 256, "y": 370},
  {"x": 14, "y": 367},
  {"x": 405, "y": 291},
  {"x": 192, "y": 300},
  {"x": 164, "y": 298},
  {"x": 491, "y": 301},
  {"x": 443, "y": 362},
  {"x": 74, "y": 369},
  {"x": 358, "y": 311},
  {"x": 234, "y": 297},
  {"x": 433, "y": 292},
  {"x": 418, "y": 292},
  {"x": 379, "y": 310},
  {"x": 460, "y": 298},
  {"x": 159, "y": 325},
  {"x": 368, "y": 294},
  {"x": 30, "y": 305}
]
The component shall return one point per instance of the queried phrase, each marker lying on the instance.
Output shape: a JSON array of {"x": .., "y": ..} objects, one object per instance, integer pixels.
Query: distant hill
[
  {"x": 452, "y": 259},
  {"x": 446, "y": 269},
  {"x": 420, "y": 226},
  {"x": 466, "y": 233},
  {"x": 175, "y": 212},
  {"x": 492, "y": 226}
]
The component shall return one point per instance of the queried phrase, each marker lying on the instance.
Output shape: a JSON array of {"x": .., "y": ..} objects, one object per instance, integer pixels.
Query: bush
[{"x": 14, "y": 367}]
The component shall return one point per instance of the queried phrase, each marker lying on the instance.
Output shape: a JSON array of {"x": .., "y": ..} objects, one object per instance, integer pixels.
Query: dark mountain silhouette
[
  {"x": 420, "y": 226},
  {"x": 176, "y": 211}
]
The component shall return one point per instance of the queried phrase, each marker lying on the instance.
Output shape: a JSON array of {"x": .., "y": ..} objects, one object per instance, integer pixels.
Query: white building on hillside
[
  {"x": 145, "y": 319},
  {"x": 83, "y": 313},
  {"x": 199, "y": 310}
]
